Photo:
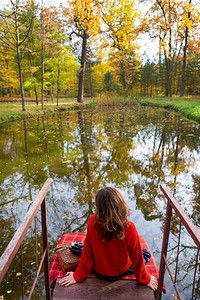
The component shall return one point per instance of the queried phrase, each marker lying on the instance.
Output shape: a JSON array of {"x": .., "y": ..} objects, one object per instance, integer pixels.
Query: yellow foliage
[
  {"x": 9, "y": 76},
  {"x": 168, "y": 20},
  {"x": 98, "y": 74},
  {"x": 84, "y": 15}
]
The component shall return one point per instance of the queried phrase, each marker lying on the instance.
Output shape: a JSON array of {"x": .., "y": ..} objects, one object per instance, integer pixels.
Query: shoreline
[{"x": 186, "y": 107}]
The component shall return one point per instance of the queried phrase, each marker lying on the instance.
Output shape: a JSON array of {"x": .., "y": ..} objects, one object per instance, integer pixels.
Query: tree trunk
[
  {"x": 19, "y": 58},
  {"x": 58, "y": 83},
  {"x": 42, "y": 58},
  {"x": 168, "y": 74},
  {"x": 160, "y": 67},
  {"x": 51, "y": 94},
  {"x": 168, "y": 68},
  {"x": 36, "y": 95},
  {"x": 90, "y": 73},
  {"x": 123, "y": 79},
  {"x": 168, "y": 64},
  {"x": 21, "y": 79},
  {"x": 184, "y": 58},
  {"x": 42, "y": 78},
  {"x": 82, "y": 71}
]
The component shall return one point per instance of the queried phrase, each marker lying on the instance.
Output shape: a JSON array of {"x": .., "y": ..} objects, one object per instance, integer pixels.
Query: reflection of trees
[
  {"x": 168, "y": 155},
  {"x": 116, "y": 149},
  {"x": 186, "y": 265},
  {"x": 83, "y": 151},
  {"x": 196, "y": 200},
  {"x": 103, "y": 151},
  {"x": 12, "y": 278}
]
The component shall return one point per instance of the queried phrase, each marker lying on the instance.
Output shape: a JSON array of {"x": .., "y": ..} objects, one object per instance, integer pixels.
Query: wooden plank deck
[{"x": 93, "y": 288}]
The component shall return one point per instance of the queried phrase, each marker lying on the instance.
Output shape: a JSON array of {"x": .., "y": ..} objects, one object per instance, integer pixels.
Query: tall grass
[{"x": 115, "y": 99}]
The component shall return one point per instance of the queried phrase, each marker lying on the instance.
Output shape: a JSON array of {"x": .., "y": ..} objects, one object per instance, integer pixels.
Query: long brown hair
[{"x": 111, "y": 213}]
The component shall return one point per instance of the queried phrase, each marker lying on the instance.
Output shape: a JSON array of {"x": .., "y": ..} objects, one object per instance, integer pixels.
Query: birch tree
[{"x": 17, "y": 24}]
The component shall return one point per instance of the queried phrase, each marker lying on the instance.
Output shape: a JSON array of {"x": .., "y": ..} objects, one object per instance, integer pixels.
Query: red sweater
[{"x": 111, "y": 258}]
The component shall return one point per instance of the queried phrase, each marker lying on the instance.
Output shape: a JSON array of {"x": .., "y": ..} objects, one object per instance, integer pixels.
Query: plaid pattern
[{"x": 57, "y": 272}]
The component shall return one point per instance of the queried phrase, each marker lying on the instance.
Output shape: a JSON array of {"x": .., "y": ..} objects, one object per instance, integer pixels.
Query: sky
[{"x": 148, "y": 48}]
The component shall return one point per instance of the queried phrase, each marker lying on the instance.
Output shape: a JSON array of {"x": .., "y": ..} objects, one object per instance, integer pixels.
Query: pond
[{"x": 132, "y": 149}]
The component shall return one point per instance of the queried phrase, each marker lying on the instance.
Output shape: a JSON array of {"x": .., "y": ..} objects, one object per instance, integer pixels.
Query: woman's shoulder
[
  {"x": 91, "y": 220},
  {"x": 130, "y": 228},
  {"x": 92, "y": 217}
]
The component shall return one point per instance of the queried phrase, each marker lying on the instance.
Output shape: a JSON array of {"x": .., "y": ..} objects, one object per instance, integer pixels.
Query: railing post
[
  {"x": 45, "y": 247},
  {"x": 164, "y": 250}
]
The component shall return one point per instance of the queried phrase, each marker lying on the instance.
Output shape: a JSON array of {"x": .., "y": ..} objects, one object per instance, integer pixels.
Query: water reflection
[{"x": 133, "y": 150}]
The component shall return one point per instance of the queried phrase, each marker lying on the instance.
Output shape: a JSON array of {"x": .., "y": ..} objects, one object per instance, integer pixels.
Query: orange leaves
[{"x": 83, "y": 15}]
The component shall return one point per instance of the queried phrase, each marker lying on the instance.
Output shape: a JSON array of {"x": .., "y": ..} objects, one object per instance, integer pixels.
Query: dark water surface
[{"x": 133, "y": 150}]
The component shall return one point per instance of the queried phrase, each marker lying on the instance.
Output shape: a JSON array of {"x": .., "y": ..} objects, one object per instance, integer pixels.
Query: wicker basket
[{"x": 67, "y": 260}]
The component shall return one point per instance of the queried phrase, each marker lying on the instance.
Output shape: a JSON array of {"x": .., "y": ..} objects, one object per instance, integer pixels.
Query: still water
[{"x": 131, "y": 149}]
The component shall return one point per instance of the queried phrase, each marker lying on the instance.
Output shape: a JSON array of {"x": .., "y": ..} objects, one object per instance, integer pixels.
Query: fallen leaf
[
  {"x": 152, "y": 214},
  {"x": 143, "y": 196},
  {"x": 158, "y": 238}
]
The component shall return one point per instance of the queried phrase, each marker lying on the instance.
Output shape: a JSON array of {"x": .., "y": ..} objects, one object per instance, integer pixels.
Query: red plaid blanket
[{"x": 56, "y": 270}]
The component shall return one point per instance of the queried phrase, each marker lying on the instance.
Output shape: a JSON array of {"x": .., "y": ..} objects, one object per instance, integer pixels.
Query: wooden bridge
[{"x": 93, "y": 288}]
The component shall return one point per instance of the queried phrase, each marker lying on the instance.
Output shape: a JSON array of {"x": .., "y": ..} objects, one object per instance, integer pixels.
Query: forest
[{"x": 90, "y": 47}]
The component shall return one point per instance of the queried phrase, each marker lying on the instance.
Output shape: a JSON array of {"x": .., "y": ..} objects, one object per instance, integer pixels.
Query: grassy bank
[
  {"x": 13, "y": 111},
  {"x": 187, "y": 106}
]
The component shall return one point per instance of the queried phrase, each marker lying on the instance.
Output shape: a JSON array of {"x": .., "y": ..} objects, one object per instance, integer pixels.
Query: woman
[{"x": 112, "y": 244}]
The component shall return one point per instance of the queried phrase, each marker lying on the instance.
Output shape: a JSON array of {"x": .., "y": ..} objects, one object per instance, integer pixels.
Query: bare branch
[{"x": 28, "y": 31}]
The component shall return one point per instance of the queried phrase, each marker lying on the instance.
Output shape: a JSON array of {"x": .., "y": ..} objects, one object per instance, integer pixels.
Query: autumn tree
[
  {"x": 17, "y": 24},
  {"x": 190, "y": 24},
  {"x": 149, "y": 79},
  {"x": 170, "y": 25},
  {"x": 119, "y": 17},
  {"x": 109, "y": 82},
  {"x": 83, "y": 20},
  {"x": 163, "y": 27},
  {"x": 99, "y": 71},
  {"x": 55, "y": 73},
  {"x": 8, "y": 75}
]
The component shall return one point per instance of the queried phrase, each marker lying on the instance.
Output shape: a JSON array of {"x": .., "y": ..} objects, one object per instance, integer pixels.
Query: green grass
[
  {"x": 187, "y": 106},
  {"x": 13, "y": 111}
]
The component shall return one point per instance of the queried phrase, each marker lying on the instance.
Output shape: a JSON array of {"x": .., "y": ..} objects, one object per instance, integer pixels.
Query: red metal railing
[
  {"x": 16, "y": 242},
  {"x": 192, "y": 230}
]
